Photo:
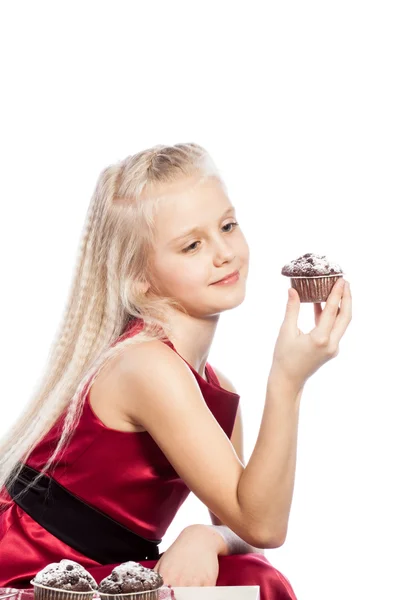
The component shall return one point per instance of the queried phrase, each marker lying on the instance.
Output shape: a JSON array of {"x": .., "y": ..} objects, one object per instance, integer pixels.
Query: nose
[{"x": 223, "y": 251}]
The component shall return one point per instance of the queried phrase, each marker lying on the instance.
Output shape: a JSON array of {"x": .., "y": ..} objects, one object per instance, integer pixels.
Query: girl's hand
[
  {"x": 297, "y": 355},
  {"x": 192, "y": 560}
]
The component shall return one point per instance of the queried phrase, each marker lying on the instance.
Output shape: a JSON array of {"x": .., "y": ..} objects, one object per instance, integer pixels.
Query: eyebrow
[{"x": 196, "y": 229}]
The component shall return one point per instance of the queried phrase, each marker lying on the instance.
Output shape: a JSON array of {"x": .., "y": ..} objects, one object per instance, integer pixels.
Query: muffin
[
  {"x": 131, "y": 579},
  {"x": 312, "y": 276},
  {"x": 66, "y": 580}
]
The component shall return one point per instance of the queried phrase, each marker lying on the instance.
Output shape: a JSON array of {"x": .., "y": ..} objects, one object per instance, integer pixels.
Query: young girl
[{"x": 130, "y": 415}]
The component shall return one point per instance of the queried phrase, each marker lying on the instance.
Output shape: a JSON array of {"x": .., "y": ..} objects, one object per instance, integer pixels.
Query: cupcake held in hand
[
  {"x": 131, "y": 579},
  {"x": 312, "y": 276},
  {"x": 66, "y": 580}
]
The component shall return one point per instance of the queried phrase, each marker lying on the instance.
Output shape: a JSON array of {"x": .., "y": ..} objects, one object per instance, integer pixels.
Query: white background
[{"x": 298, "y": 103}]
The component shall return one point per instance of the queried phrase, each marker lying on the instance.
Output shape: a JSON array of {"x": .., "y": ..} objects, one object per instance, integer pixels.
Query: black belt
[{"x": 83, "y": 527}]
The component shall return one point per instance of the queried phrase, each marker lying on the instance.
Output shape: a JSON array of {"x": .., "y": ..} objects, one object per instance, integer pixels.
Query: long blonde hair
[{"x": 113, "y": 263}]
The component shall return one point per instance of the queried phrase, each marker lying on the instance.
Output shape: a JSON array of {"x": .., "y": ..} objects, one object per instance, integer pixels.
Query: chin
[{"x": 233, "y": 302}]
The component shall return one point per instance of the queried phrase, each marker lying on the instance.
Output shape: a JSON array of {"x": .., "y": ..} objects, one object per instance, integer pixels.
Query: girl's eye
[
  {"x": 194, "y": 247},
  {"x": 191, "y": 247},
  {"x": 234, "y": 223}
]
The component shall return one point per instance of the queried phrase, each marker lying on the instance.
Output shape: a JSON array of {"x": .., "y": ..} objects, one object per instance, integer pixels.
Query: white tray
[{"x": 243, "y": 592}]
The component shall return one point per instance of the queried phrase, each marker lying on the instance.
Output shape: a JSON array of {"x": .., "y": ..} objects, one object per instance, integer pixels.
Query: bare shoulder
[
  {"x": 152, "y": 370},
  {"x": 108, "y": 395},
  {"x": 154, "y": 356}
]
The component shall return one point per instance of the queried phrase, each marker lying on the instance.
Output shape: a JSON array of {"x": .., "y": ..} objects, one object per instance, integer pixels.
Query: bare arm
[
  {"x": 232, "y": 543},
  {"x": 162, "y": 394},
  {"x": 277, "y": 440},
  {"x": 288, "y": 460}
]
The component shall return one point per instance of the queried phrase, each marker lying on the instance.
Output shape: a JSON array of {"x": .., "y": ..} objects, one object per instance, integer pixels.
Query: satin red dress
[{"x": 126, "y": 476}]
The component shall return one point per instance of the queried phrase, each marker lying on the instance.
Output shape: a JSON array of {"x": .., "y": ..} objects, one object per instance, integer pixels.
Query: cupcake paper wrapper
[
  {"x": 142, "y": 595},
  {"x": 314, "y": 289},
  {"x": 46, "y": 593}
]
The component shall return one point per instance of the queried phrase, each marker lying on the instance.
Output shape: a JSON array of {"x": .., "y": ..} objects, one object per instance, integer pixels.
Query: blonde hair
[{"x": 113, "y": 264}]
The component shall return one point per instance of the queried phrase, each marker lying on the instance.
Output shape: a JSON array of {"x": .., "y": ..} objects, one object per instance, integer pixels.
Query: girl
[{"x": 130, "y": 415}]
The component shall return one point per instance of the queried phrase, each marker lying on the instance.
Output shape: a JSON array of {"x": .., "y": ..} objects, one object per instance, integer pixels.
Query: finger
[
  {"x": 344, "y": 317},
  {"x": 328, "y": 316},
  {"x": 292, "y": 308},
  {"x": 317, "y": 312}
]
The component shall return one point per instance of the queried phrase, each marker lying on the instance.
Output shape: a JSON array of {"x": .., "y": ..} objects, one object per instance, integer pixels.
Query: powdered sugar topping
[
  {"x": 132, "y": 568},
  {"x": 311, "y": 265},
  {"x": 130, "y": 576},
  {"x": 66, "y": 575}
]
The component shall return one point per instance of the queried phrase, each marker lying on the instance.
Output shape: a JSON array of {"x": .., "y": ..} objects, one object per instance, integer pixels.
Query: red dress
[{"x": 126, "y": 476}]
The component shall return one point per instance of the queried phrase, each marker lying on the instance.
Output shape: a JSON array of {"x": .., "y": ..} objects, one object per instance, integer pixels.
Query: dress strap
[{"x": 211, "y": 376}]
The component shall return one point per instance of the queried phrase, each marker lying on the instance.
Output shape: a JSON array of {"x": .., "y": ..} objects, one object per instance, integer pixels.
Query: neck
[{"x": 192, "y": 338}]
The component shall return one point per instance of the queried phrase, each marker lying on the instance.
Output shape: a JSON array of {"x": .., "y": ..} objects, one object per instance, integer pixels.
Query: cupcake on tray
[
  {"x": 66, "y": 580},
  {"x": 312, "y": 276},
  {"x": 131, "y": 580}
]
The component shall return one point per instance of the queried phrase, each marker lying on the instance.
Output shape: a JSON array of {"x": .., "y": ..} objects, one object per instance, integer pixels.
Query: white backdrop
[{"x": 298, "y": 103}]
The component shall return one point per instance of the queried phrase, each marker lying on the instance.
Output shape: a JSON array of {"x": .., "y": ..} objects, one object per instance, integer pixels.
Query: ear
[{"x": 142, "y": 287}]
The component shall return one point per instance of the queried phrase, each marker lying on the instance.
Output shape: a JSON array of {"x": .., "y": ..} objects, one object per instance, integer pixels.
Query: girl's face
[{"x": 186, "y": 263}]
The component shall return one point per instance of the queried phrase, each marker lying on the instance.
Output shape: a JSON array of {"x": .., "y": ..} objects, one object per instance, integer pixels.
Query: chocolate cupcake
[
  {"x": 66, "y": 580},
  {"x": 130, "y": 579},
  {"x": 312, "y": 276}
]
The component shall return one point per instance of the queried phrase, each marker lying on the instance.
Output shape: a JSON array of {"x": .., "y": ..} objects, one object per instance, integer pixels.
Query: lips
[{"x": 234, "y": 274}]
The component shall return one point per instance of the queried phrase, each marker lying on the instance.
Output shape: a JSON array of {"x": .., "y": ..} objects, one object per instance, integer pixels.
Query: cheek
[
  {"x": 191, "y": 276},
  {"x": 182, "y": 276},
  {"x": 242, "y": 250}
]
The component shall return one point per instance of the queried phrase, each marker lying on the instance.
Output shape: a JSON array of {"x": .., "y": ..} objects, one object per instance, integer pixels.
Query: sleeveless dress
[{"x": 126, "y": 476}]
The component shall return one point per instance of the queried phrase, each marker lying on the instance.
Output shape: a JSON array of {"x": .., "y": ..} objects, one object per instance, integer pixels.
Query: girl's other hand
[
  {"x": 192, "y": 560},
  {"x": 297, "y": 355}
]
